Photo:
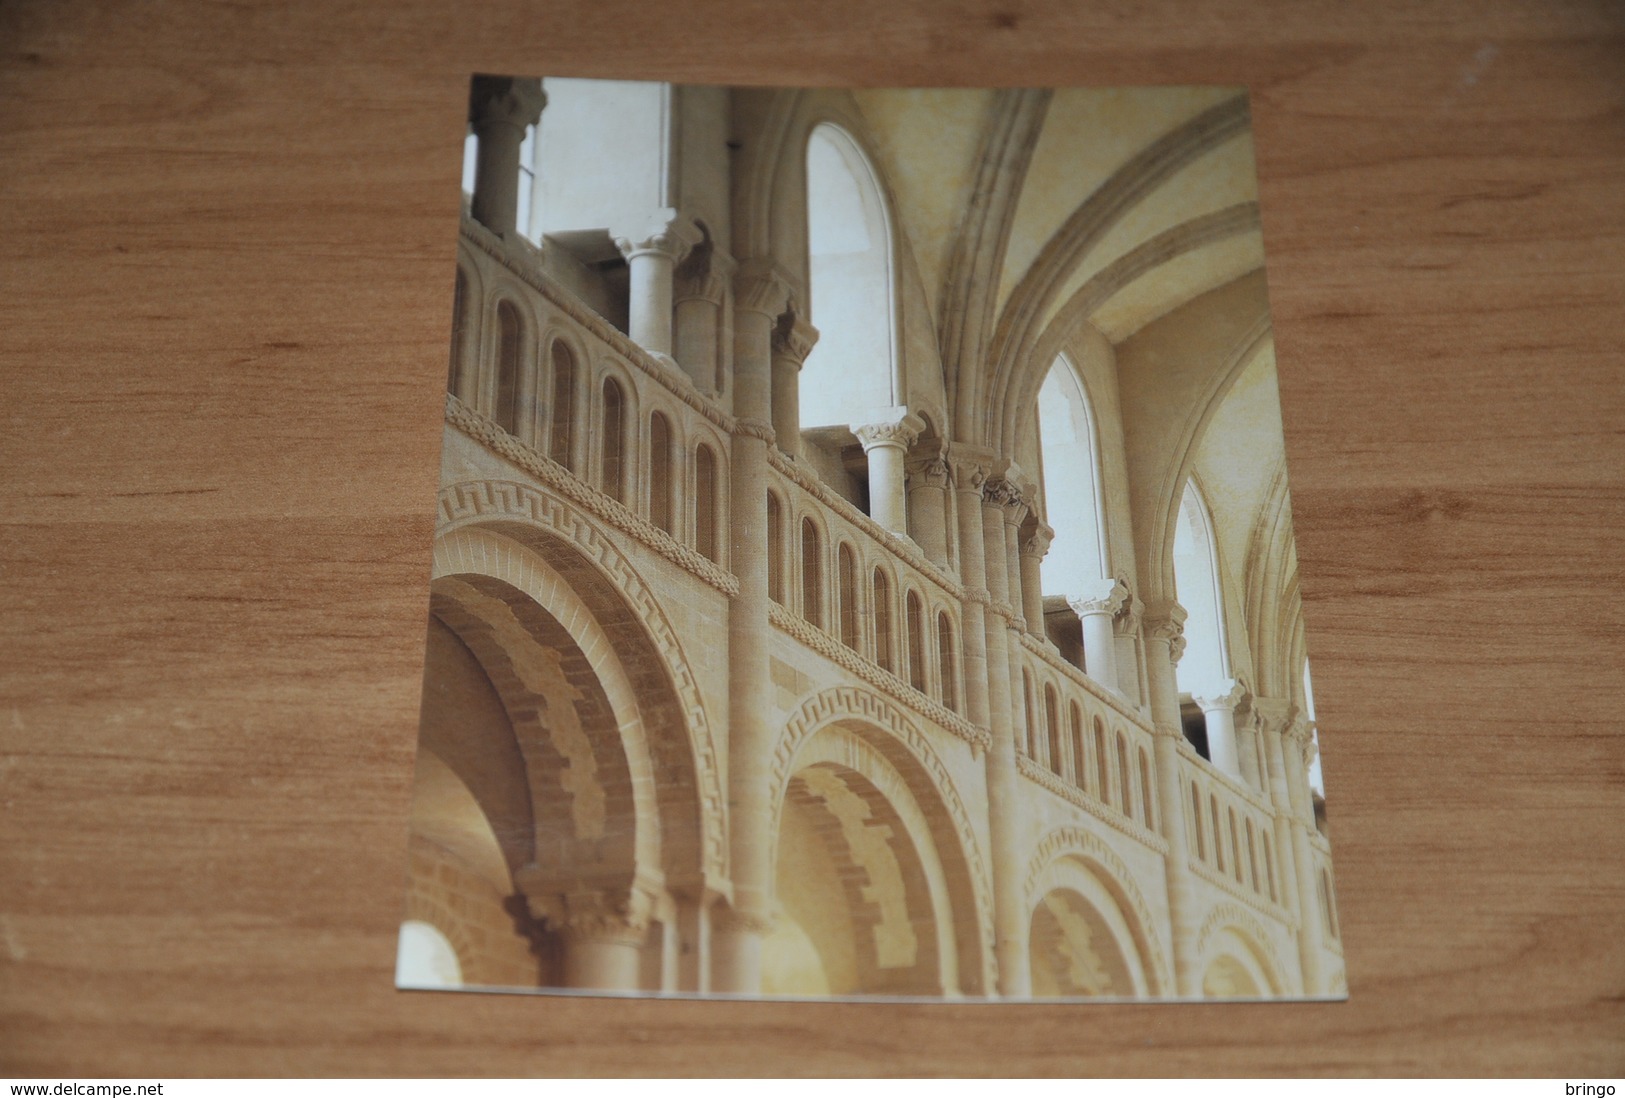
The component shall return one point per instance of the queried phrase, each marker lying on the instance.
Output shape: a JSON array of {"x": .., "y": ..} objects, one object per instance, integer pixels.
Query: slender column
[
  {"x": 761, "y": 294},
  {"x": 1219, "y": 708},
  {"x": 1003, "y": 779},
  {"x": 499, "y": 108},
  {"x": 699, "y": 285},
  {"x": 1096, "y": 608},
  {"x": 885, "y": 443},
  {"x": 652, "y": 253},
  {"x": 970, "y": 473},
  {"x": 792, "y": 343},
  {"x": 1033, "y": 549},
  {"x": 1298, "y": 746},
  {"x": 1130, "y": 651},
  {"x": 928, "y": 506},
  {"x": 1165, "y": 641}
]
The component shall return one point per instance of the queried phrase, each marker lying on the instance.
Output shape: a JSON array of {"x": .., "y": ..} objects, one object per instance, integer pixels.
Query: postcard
[{"x": 864, "y": 561}]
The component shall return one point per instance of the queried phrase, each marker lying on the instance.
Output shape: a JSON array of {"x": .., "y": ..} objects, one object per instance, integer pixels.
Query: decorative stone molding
[
  {"x": 1005, "y": 493},
  {"x": 1251, "y": 930},
  {"x": 1098, "y": 693},
  {"x": 849, "y": 703},
  {"x": 971, "y": 465},
  {"x": 1102, "y": 596},
  {"x": 877, "y": 676},
  {"x": 757, "y": 429},
  {"x": 1034, "y": 771},
  {"x": 469, "y": 502},
  {"x": 1128, "y": 619},
  {"x": 1084, "y": 845},
  {"x": 616, "y": 914},
  {"x": 929, "y": 472},
  {"x": 505, "y": 100},
  {"x": 561, "y": 480},
  {"x": 729, "y": 920},
  {"x": 703, "y": 276},
  {"x": 1228, "y": 885},
  {"x": 761, "y": 286},
  {"x": 1165, "y": 621}
]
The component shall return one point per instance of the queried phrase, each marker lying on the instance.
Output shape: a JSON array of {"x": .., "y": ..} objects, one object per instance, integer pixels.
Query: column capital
[
  {"x": 930, "y": 471},
  {"x": 728, "y": 919},
  {"x": 1002, "y": 491},
  {"x": 1225, "y": 694},
  {"x": 1100, "y": 596},
  {"x": 1127, "y": 620},
  {"x": 1037, "y": 545},
  {"x": 793, "y": 339},
  {"x": 1165, "y": 621},
  {"x": 703, "y": 276},
  {"x": 667, "y": 233},
  {"x": 895, "y": 427},
  {"x": 762, "y": 286},
  {"x": 505, "y": 100},
  {"x": 1274, "y": 714},
  {"x": 613, "y": 914},
  {"x": 971, "y": 465}
]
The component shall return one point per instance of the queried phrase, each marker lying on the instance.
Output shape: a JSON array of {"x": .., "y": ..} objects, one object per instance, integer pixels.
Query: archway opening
[{"x": 1072, "y": 951}]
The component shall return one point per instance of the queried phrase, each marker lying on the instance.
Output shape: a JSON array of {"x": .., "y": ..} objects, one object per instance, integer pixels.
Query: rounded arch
[
  {"x": 426, "y": 958},
  {"x": 526, "y": 519},
  {"x": 1235, "y": 951},
  {"x": 1199, "y": 585},
  {"x": 870, "y": 728},
  {"x": 1075, "y": 859}
]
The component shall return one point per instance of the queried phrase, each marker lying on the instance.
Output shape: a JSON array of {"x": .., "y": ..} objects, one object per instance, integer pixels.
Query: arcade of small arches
[{"x": 864, "y": 563}]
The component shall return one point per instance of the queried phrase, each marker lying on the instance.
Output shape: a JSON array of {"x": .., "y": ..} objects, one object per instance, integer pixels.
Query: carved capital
[
  {"x": 615, "y": 914},
  {"x": 898, "y": 433},
  {"x": 971, "y": 465},
  {"x": 667, "y": 234},
  {"x": 1004, "y": 493},
  {"x": 794, "y": 338},
  {"x": 930, "y": 472},
  {"x": 761, "y": 286},
  {"x": 1225, "y": 694},
  {"x": 730, "y": 920},
  {"x": 1101, "y": 596},
  {"x": 1127, "y": 621},
  {"x": 1037, "y": 544},
  {"x": 1274, "y": 714},
  {"x": 1165, "y": 621},
  {"x": 703, "y": 276},
  {"x": 505, "y": 101}
]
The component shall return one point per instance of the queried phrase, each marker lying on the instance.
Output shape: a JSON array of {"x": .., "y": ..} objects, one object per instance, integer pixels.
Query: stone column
[
  {"x": 694, "y": 942},
  {"x": 699, "y": 285},
  {"x": 761, "y": 293},
  {"x": 1033, "y": 549},
  {"x": 1010, "y": 916},
  {"x": 1219, "y": 708},
  {"x": 792, "y": 343},
  {"x": 652, "y": 253},
  {"x": 928, "y": 506},
  {"x": 602, "y": 930},
  {"x": 1165, "y": 642},
  {"x": 970, "y": 469},
  {"x": 499, "y": 109},
  {"x": 1096, "y": 608},
  {"x": 885, "y": 443}
]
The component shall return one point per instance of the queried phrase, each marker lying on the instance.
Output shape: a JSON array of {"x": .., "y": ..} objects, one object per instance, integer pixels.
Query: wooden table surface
[{"x": 226, "y": 234}]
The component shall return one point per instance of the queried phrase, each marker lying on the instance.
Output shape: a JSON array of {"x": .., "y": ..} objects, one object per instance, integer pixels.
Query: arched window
[
  {"x": 1269, "y": 867},
  {"x": 1196, "y": 579},
  {"x": 1124, "y": 783},
  {"x": 1070, "y": 459},
  {"x": 775, "y": 549},
  {"x": 506, "y": 412},
  {"x": 1147, "y": 801},
  {"x": 915, "y": 619},
  {"x": 1103, "y": 766},
  {"x": 1328, "y": 900},
  {"x": 660, "y": 478},
  {"x": 705, "y": 502},
  {"x": 561, "y": 426},
  {"x": 1052, "y": 727},
  {"x": 1235, "y": 846},
  {"x": 949, "y": 660},
  {"x": 812, "y": 574},
  {"x": 882, "y": 597},
  {"x": 852, "y": 368},
  {"x": 1080, "y": 754},
  {"x": 455, "y": 380},
  {"x": 1028, "y": 740},
  {"x": 1218, "y": 831},
  {"x": 1196, "y": 823},
  {"x": 1252, "y": 857},
  {"x": 847, "y": 567},
  {"x": 612, "y": 438}
]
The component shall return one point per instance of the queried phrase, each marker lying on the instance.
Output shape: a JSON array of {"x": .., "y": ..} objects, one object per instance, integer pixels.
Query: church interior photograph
[{"x": 863, "y": 559}]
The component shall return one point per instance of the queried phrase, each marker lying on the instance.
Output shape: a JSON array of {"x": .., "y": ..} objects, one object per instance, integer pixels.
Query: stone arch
[
  {"x": 1232, "y": 933},
  {"x": 873, "y": 728},
  {"x": 636, "y": 627},
  {"x": 1056, "y": 863}
]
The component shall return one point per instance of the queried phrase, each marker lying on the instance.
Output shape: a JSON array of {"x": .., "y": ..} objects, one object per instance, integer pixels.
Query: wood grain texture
[{"x": 226, "y": 235}]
